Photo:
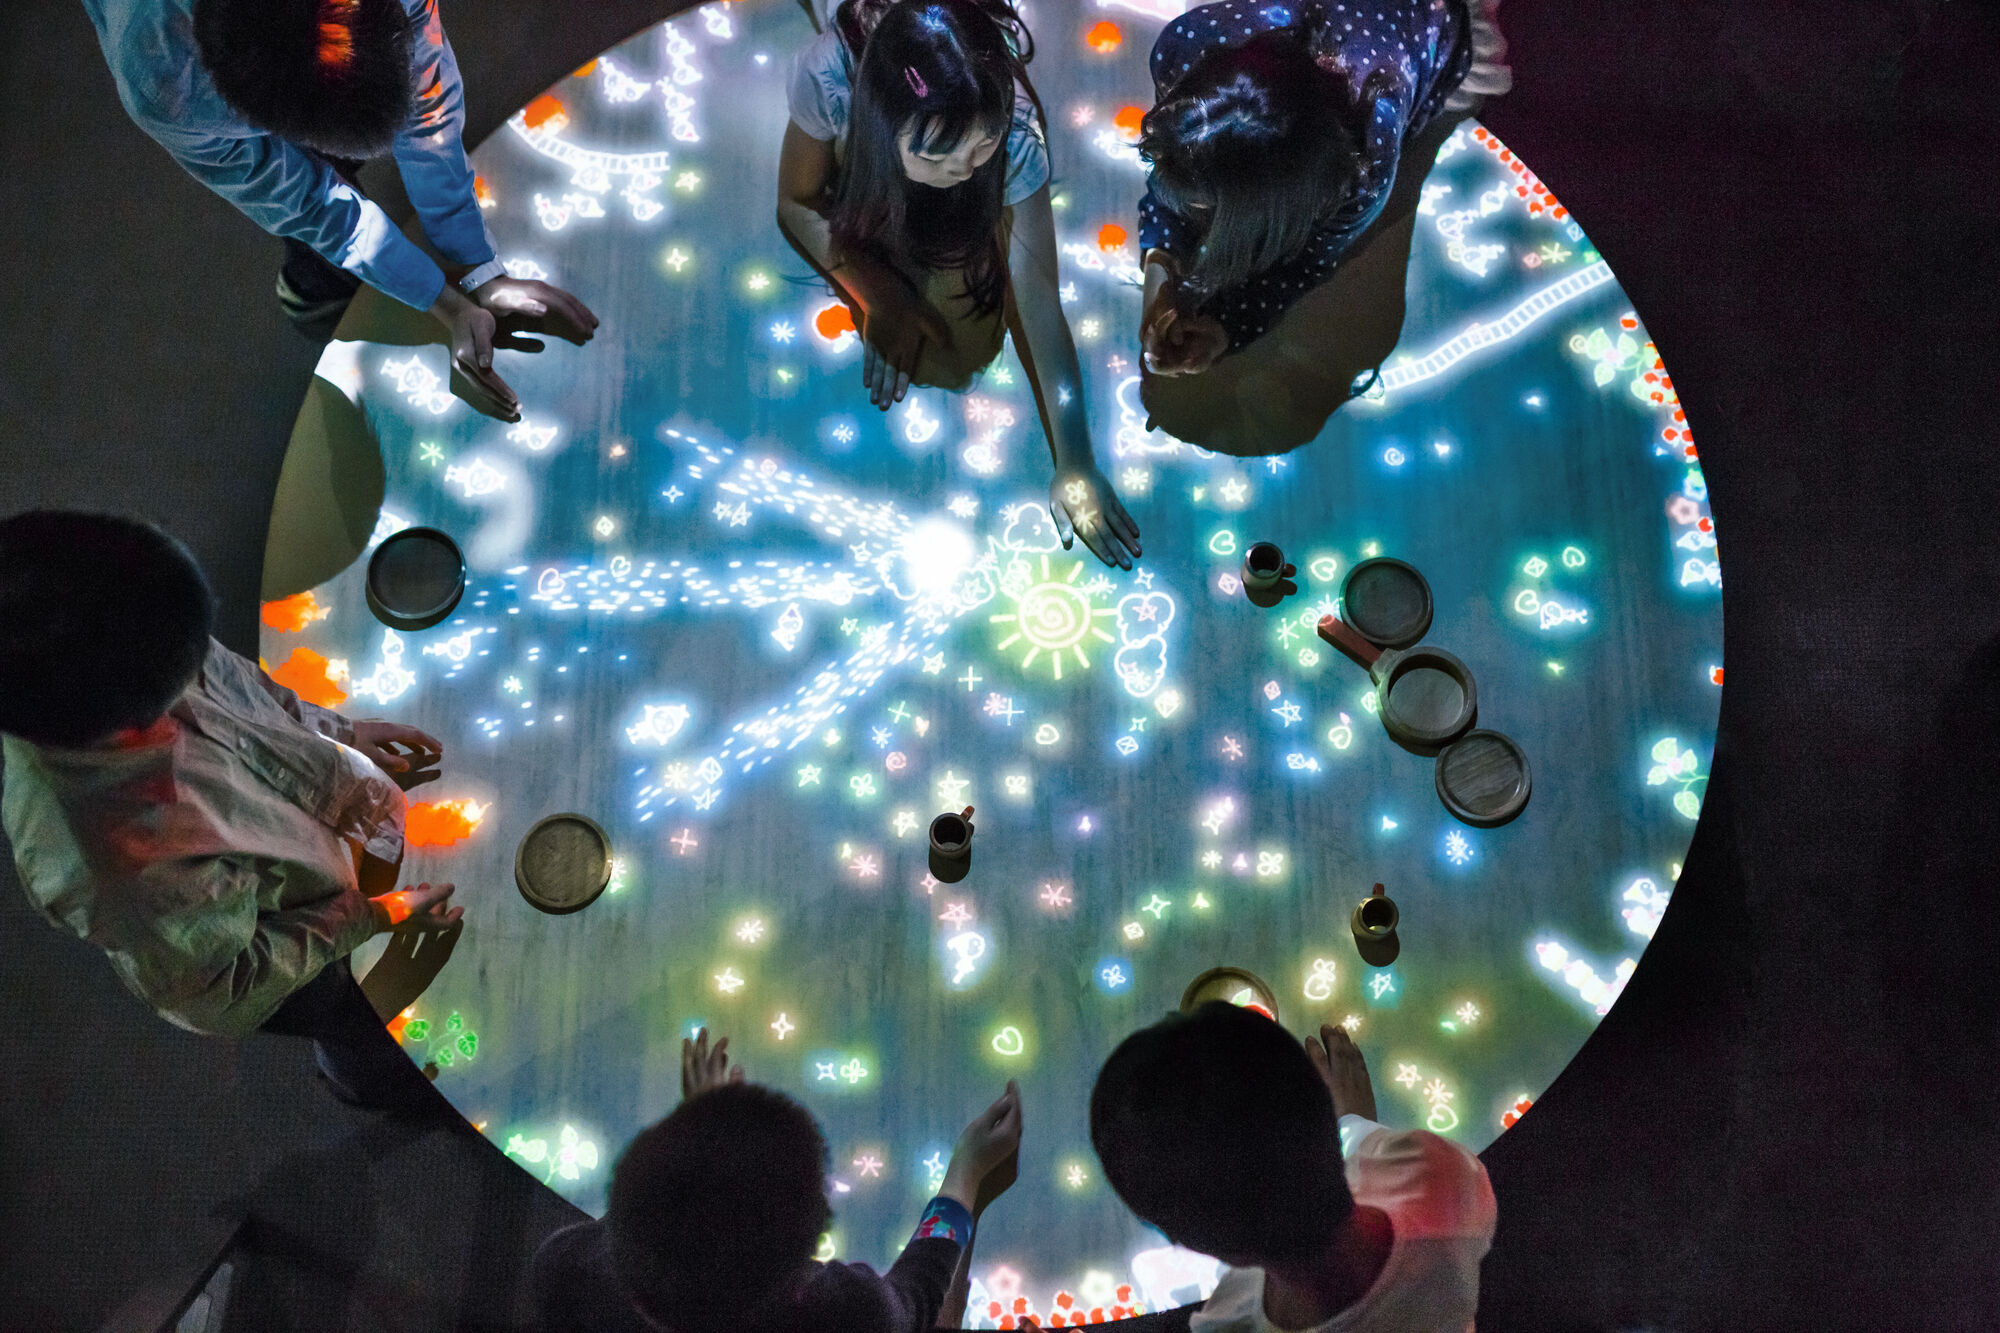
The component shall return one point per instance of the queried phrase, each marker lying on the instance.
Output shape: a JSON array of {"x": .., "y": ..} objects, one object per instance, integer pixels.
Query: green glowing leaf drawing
[
  {"x": 445, "y": 1055},
  {"x": 1659, "y": 775},
  {"x": 1597, "y": 344},
  {"x": 454, "y": 1023},
  {"x": 1688, "y": 804},
  {"x": 1626, "y": 347},
  {"x": 535, "y": 1150},
  {"x": 417, "y": 1030},
  {"x": 1665, "y": 750},
  {"x": 1687, "y": 761},
  {"x": 586, "y": 1156},
  {"x": 1604, "y": 372},
  {"x": 468, "y": 1045}
]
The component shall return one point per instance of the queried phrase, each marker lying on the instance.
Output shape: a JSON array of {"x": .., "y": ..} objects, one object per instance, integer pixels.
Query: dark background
[{"x": 1785, "y": 1122}]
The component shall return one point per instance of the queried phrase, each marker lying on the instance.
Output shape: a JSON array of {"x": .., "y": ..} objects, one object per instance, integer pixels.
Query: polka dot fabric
[{"x": 1416, "y": 51}]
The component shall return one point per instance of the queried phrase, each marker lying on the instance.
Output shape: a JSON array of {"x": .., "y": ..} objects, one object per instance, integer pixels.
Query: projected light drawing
[{"x": 762, "y": 634}]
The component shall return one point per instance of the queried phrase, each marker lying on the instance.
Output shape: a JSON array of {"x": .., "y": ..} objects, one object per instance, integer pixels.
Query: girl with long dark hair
[
  {"x": 914, "y": 177},
  {"x": 1273, "y": 143}
]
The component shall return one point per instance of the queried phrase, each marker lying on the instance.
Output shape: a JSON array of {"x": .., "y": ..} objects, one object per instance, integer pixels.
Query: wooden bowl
[
  {"x": 563, "y": 864},
  {"x": 415, "y": 578},
  {"x": 1483, "y": 778}
]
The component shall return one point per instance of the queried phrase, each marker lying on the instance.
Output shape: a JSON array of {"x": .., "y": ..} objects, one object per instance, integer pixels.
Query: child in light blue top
[{"x": 893, "y": 183}]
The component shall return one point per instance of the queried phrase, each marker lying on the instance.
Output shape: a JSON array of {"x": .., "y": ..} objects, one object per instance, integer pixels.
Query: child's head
[
  {"x": 104, "y": 621},
  {"x": 926, "y": 152},
  {"x": 1215, "y": 1128},
  {"x": 1253, "y": 142},
  {"x": 333, "y": 75},
  {"x": 713, "y": 1208}
]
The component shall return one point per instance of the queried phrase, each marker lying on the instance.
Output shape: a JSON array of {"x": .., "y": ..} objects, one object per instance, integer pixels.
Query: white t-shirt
[
  {"x": 1441, "y": 1208},
  {"x": 822, "y": 86}
]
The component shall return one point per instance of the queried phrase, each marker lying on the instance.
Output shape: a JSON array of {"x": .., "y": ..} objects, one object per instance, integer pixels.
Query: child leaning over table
[
  {"x": 1219, "y": 1130},
  {"x": 716, "y": 1212},
  {"x": 201, "y": 824}
]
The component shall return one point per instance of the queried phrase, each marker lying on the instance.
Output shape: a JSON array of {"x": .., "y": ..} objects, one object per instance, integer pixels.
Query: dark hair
[
  {"x": 1215, "y": 1128},
  {"x": 945, "y": 68},
  {"x": 333, "y": 75},
  {"x": 712, "y": 1207},
  {"x": 1259, "y": 136},
  {"x": 103, "y": 622}
]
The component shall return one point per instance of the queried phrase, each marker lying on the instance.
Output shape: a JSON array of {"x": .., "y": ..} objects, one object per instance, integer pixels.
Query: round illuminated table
[{"x": 761, "y": 634}]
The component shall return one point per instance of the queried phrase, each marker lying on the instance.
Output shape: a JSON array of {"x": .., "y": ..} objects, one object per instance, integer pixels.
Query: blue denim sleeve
[
  {"x": 288, "y": 192},
  {"x": 430, "y": 152}
]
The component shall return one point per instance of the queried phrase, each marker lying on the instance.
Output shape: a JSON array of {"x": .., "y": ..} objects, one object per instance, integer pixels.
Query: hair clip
[{"x": 916, "y": 80}]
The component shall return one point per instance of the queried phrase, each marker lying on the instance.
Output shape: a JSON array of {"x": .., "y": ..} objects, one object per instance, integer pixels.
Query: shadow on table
[{"x": 1278, "y": 393}]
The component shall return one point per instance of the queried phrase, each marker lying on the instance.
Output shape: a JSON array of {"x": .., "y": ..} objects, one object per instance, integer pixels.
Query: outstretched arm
[
  {"x": 892, "y": 320},
  {"x": 1081, "y": 498}
]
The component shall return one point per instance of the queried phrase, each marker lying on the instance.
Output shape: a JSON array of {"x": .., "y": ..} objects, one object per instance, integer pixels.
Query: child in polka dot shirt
[{"x": 1274, "y": 141}]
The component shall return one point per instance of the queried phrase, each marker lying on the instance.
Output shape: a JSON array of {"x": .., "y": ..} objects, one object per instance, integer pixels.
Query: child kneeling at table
[
  {"x": 1217, "y": 1128},
  {"x": 716, "y": 1212}
]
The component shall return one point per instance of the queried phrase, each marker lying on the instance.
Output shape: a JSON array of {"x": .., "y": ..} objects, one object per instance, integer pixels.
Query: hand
[
  {"x": 1083, "y": 504},
  {"x": 518, "y": 304},
  {"x": 1340, "y": 1066},
  {"x": 412, "y": 766},
  {"x": 469, "y": 331},
  {"x": 987, "y": 1156},
  {"x": 703, "y": 1069},
  {"x": 894, "y": 330},
  {"x": 1177, "y": 343},
  {"x": 420, "y": 907}
]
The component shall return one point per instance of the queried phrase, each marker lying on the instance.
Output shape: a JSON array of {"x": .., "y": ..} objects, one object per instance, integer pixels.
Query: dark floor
[{"x": 1786, "y": 1122}]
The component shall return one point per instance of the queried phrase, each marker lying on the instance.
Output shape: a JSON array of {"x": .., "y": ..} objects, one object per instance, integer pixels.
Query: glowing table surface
[{"x": 762, "y": 634}]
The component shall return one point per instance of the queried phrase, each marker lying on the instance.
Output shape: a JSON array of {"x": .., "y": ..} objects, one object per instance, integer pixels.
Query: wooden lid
[
  {"x": 415, "y": 578},
  {"x": 563, "y": 864},
  {"x": 1483, "y": 779},
  {"x": 1387, "y": 601}
]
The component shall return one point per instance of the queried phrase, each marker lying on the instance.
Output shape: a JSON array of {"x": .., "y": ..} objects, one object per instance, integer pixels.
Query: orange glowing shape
[
  {"x": 585, "y": 70},
  {"x": 546, "y": 111},
  {"x": 834, "y": 320},
  {"x": 1104, "y": 38},
  {"x": 482, "y": 192},
  {"x": 1128, "y": 120},
  {"x": 441, "y": 823},
  {"x": 1110, "y": 236},
  {"x": 289, "y": 615},
  {"x": 305, "y": 674},
  {"x": 336, "y": 36}
]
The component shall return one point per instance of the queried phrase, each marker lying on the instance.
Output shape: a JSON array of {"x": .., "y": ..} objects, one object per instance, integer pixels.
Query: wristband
[
  {"x": 480, "y": 276},
  {"x": 946, "y": 1218}
]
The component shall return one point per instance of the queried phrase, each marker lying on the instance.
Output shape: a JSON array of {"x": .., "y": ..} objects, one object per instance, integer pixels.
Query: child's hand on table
[
  {"x": 1340, "y": 1066},
  {"x": 1083, "y": 504},
  {"x": 411, "y": 766},
  {"x": 1177, "y": 343},
  {"x": 987, "y": 1156},
  {"x": 894, "y": 330},
  {"x": 419, "y": 907},
  {"x": 703, "y": 1068}
]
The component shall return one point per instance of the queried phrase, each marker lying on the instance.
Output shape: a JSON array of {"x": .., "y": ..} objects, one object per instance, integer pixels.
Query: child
[
  {"x": 1274, "y": 142},
  {"x": 914, "y": 176},
  {"x": 201, "y": 824},
  {"x": 716, "y": 1211},
  {"x": 272, "y": 104},
  {"x": 1217, "y": 1129}
]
